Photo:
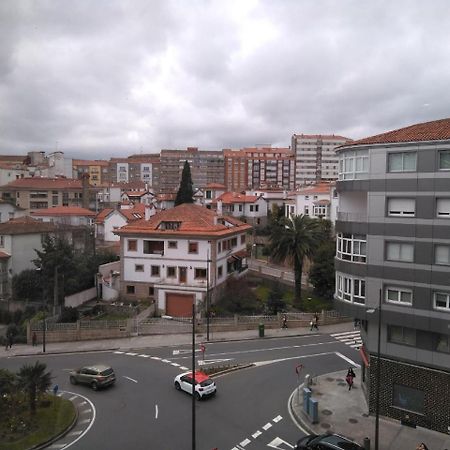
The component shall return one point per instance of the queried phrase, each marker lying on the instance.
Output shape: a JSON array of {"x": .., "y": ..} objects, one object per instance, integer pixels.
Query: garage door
[{"x": 179, "y": 305}]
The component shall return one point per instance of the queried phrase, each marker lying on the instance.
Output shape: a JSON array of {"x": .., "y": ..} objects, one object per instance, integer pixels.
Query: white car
[{"x": 204, "y": 386}]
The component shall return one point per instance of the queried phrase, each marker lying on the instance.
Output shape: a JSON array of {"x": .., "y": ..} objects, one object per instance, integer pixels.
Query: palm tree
[
  {"x": 297, "y": 238},
  {"x": 34, "y": 380}
]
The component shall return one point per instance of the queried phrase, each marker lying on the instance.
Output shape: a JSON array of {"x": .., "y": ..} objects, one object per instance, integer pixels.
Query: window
[
  {"x": 2, "y": 241},
  {"x": 351, "y": 289},
  {"x": 399, "y": 251},
  {"x": 401, "y": 335},
  {"x": 401, "y": 207},
  {"x": 242, "y": 238},
  {"x": 251, "y": 208},
  {"x": 171, "y": 272},
  {"x": 154, "y": 271},
  {"x": 398, "y": 295},
  {"x": 442, "y": 301},
  {"x": 138, "y": 267},
  {"x": 208, "y": 194},
  {"x": 154, "y": 247},
  {"x": 200, "y": 274},
  {"x": 407, "y": 398},
  {"x": 130, "y": 289},
  {"x": 402, "y": 162},
  {"x": 172, "y": 244},
  {"x": 169, "y": 225},
  {"x": 442, "y": 343},
  {"x": 444, "y": 160},
  {"x": 219, "y": 272},
  {"x": 151, "y": 291},
  {"x": 234, "y": 242},
  {"x": 443, "y": 207},
  {"x": 219, "y": 247},
  {"x": 353, "y": 165},
  {"x": 442, "y": 255},
  {"x": 193, "y": 247},
  {"x": 132, "y": 245},
  {"x": 351, "y": 247},
  {"x": 306, "y": 209}
]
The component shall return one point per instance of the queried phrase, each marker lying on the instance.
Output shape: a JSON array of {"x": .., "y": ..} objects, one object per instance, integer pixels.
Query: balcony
[{"x": 352, "y": 217}]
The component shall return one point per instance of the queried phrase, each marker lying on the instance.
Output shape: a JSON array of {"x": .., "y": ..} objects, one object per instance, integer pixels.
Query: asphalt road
[{"x": 144, "y": 411}]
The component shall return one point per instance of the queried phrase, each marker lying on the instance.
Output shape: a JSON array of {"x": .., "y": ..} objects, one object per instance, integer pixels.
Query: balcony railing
[{"x": 352, "y": 217}]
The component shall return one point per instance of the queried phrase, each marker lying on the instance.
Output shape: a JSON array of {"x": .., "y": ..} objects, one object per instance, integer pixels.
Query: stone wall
[{"x": 435, "y": 385}]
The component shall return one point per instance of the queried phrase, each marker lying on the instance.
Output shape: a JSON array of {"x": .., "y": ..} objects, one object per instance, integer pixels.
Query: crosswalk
[{"x": 350, "y": 338}]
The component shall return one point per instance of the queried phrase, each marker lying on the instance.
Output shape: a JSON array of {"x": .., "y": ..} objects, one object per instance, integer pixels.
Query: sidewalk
[{"x": 346, "y": 412}]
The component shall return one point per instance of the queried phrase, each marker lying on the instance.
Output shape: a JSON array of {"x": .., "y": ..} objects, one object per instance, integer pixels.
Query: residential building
[
  {"x": 142, "y": 168},
  {"x": 19, "y": 240},
  {"x": 211, "y": 191},
  {"x": 315, "y": 157},
  {"x": 66, "y": 215},
  {"x": 97, "y": 169},
  {"x": 9, "y": 211},
  {"x": 206, "y": 166},
  {"x": 181, "y": 255},
  {"x": 393, "y": 267}
]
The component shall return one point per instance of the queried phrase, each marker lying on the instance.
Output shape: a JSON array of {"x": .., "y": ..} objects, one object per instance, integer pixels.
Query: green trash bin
[{"x": 261, "y": 330}]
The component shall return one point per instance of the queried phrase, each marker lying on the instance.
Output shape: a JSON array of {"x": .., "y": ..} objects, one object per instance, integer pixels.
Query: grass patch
[
  {"x": 262, "y": 292},
  {"x": 22, "y": 431}
]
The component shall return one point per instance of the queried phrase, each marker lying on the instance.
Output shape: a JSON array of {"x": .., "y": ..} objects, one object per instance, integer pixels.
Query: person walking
[
  {"x": 349, "y": 378},
  {"x": 314, "y": 322},
  {"x": 284, "y": 322}
]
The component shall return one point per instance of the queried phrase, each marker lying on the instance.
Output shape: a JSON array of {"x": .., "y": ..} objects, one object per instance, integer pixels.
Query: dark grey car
[
  {"x": 326, "y": 442},
  {"x": 96, "y": 377}
]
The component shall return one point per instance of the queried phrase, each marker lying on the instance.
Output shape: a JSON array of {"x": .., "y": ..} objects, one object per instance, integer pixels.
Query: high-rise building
[
  {"x": 393, "y": 267},
  {"x": 135, "y": 168},
  {"x": 98, "y": 170},
  {"x": 315, "y": 157}
]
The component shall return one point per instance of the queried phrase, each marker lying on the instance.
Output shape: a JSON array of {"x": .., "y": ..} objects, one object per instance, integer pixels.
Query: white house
[
  {"x": 66, "y": 215},
  {"x": 179, "y": 256},
  {"x": 9, "y": 211}
]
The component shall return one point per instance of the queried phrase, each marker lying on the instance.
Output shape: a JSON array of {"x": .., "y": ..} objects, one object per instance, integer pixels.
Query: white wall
[{"x": 115, "y": 219}]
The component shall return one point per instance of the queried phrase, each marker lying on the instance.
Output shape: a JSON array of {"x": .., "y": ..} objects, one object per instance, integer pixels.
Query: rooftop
[
  {"x": 64, "y": 211},
  {"x": 26, "y": 225},
  {"x": 45, "y": 183}
]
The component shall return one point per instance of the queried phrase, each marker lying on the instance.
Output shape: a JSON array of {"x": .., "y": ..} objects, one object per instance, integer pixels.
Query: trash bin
[{"x": 261, "y": 330}]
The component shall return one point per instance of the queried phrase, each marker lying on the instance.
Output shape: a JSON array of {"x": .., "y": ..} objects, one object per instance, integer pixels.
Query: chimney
[
  {"x": 85, "y": 190},
  {"x": 147, "y": 212},
  {"x": 219, "y": 207}
]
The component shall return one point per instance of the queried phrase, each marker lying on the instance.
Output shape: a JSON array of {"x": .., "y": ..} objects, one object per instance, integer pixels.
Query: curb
[{"x": 297, "y": 414}]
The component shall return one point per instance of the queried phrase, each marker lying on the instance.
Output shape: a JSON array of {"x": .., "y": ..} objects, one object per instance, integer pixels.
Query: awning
[{"x": 365, "y": 358}]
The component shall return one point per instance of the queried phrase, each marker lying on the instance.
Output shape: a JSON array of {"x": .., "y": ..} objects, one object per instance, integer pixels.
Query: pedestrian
[
  {"x": 34, "y": 339},
  {"x": 422, "y": 446},
  {"x": 349, "y": 378},
  {"x": 284, "y": 323},
  {"x": 314, "y": 322},
  {"x": 355, "y": 324}
]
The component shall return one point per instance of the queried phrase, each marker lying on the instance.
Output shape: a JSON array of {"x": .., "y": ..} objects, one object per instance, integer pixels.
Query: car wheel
[
  {"x": 73, "y": 380},
  {"x": 177, "y": 386},
  {"x": 94, "y": 386},
  {"x": 197, "y": 396}
]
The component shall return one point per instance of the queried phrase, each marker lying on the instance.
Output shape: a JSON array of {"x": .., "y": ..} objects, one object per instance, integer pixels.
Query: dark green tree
[
  {"x": 34, "y": 380},
  {"x": 298, "y": 238},
  {"x": 322, "y": 275},
  {"x": 275, "y": 302},
  {"x": 7, "y": 392},
  {"x": 238, "y": 298},
  {"x": 185, "y": 192},
  {"x": 27, "y": 285}
]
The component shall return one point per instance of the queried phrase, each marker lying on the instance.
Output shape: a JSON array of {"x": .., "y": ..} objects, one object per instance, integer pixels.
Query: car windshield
[
  {"x": 338, "y": 441},
  {"x": 206, "y": 382},
  {"x": 107, "y": 372}
]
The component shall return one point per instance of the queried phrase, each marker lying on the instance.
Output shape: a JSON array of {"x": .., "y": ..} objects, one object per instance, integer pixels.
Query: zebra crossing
[{"x": 350, "y": 338}]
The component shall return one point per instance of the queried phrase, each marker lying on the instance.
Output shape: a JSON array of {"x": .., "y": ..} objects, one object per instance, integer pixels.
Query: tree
[
  {"x": 7, "y": 392},
  {"x": 275, "y": 302},
  {"x": 34, "y": 380},
  {"x": 297, "y": 239},
  {"x": 185, "y": 193},
  {"x": 322, "y": 273},
  {"x": 27, "y": 285},
  {"x": 238, "y": 297}
]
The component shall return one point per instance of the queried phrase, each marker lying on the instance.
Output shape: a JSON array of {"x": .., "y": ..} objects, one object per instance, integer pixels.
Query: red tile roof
[
  {"x": 135, "y": 213},
  {"x": 320, "y": 188},
  {"x": 25, "y": 225},
  {"x": 45, "y": 183},
  {"x": 64, "y": 211},
  {"x": 4, "y": 255},
  {"x": 436, "y": 130},
  {"x": 193, "y": 220},
  {"x": 101, "y": 216},
  {"x": 235, "y": 197}
]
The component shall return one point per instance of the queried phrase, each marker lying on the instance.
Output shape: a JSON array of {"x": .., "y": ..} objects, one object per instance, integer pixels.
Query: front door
[{"x": 182, "y": 271}]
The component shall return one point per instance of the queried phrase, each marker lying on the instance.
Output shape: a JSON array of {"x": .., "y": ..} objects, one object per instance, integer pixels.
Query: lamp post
[
  {"x": 378, "y": 372},
  {"x": 44, "y": 308},
  {"x": 193, "y": 374},
  {"x": 207, "y": 295}
]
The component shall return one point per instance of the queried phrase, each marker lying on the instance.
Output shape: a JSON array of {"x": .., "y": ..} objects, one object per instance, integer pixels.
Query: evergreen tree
[
  {"x": 34, "y": 380},
  {"x": 185, "y": 193},
  {"x": 321, "y": 275}
]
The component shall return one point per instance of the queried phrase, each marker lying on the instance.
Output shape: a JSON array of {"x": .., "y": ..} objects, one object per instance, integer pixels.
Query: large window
[
  {"x": 398, "y": 295},
  {"x": 442, "y": 301},
  {"x": 400, "y": 251},
  {"x": 442, "y": 255},
  {"x": 444, "y": 160},
  {"x": 407, "y": 398},
  {"x": 353, "y": 165},
  {"x": 351, "y": 247},
  {"x": 443, "y": 207},
  {"x": 402, "y": 162},
  {"x": 200, "y": 274},
  {"x": 154, "y": 247},
  {"x": 350, "y": 289},
  {"x": 401, "y": 335},
  {"x": 442, "y": 343},
  {"x": 401, "y": 207}
]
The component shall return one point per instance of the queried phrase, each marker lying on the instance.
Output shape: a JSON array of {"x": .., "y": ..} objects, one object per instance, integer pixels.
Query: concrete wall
[{"x": 80, "y": 297}]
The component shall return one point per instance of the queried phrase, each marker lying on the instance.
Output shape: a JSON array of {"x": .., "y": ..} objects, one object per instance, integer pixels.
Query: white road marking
[
  {"x": 85, "y": 411},
  {"x": 165, "y": 361},
  {"x": 245, "y": 442},
  {"x": 277, "y": 419},
  {"x": 204, "y": 362},
  {"x": 83, "y": 403},
  {"x": 91, "y": 422},
  {"x": 73, "y": 398},
  {"x": 277, "y": 442},
  {"x": 57, "y": 445},
  {"x": 156, "y": 358},
  {"x": 174, "y": 364},
  {"x": 144, "y": 356},
  {"x": 131, "y": 379},
  {"x": 346, "y": 359},
  {"x": 156, "y": 411},
  {"x": 354, "y": 333},
  {"x": 255, "y": 435},
  {"x": 75, "y": 433},
  {"x": 263, "y": 363},
  {"x": 183, "y": 368},
  {"x": 131, "y": 354},
  {"x": 267, "y": 426},
  {"x": 85, "y": 421},
  {"x": 119, "y": 353}
]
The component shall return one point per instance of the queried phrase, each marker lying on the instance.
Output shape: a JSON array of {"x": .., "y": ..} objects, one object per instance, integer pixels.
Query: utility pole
[
  {"x": 193, "y": 375},
  {"x": 207, "y": 295},
  {"x": 55, "y": 291}
]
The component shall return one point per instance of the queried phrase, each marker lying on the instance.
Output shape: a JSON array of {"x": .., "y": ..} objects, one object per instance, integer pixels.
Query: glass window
[
  {"x": 399, "y": 251},
  {"x": 171, "y": 272},
  {"x": 401, "y": 207},
  {"x": 444, "y": 160},
  {"x": 401, "y": 335},
  {"x": 193, "y": 247},
  {"x": 442, "y": 343},
  {"x": 353, "y": 165},
  {"x": 139, "y": 267},
  {"x": 443, "y": 207},
  {"x": 442, "y": 255},
  {"x": 398, "y": 295},
  {"x": 132, "y": 245},
  {"x": 130, "y": 289},
  {"x": 219, "y": 271},
  {"x": 154, "y": 271},
  {"x": 402, "y": 162},
  {"x": 172, "y": 244},
  {"x": 351, "y": 247},
  {"x": 408, "y": 398},
  {"x": 442, "y": 301},
  {"x": 351, "y": 289},
  {"x": 200, "y": 273}
]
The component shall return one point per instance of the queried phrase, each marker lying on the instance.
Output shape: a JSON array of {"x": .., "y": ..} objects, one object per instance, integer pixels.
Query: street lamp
[
  {"x": 193, "y": 374},
  {"x": 378, "y": 372},
  {"x": 44, "y": 307},
  {"x": 207, "y": 296}
]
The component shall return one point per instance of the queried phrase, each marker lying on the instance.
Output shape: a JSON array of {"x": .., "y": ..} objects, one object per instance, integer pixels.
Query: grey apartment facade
[{"x": 393, "y": 262}]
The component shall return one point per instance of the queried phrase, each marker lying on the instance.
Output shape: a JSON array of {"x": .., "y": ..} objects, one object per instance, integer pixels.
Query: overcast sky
[{"x": 110, "y": 78}]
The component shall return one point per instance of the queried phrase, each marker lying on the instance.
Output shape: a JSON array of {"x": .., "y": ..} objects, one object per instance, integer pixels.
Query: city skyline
[{"x": 99, "y": 80}]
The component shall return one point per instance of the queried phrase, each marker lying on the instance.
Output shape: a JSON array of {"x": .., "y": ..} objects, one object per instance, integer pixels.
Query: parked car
[
  {"x": 326, "y": 441},
  {"x": 96, "y": 377},
  {"x": 204, "y": 386}
]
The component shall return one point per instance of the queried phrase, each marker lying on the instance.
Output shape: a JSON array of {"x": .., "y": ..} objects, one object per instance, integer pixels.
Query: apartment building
[
  {"x": 207, "y": 167},
  {"x": 315, "y": 157},
  {"x": 143, "y": 168},
  {"x": 393, "y": 267},
  {"x": 97, "y": 169},
  {"x": 179, "y": 256}
]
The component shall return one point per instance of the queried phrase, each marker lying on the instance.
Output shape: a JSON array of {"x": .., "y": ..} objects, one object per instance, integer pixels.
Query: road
[{"x": 144, "y": 411}]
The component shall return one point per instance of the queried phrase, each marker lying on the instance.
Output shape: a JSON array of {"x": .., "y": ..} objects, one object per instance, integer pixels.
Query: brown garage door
[{"x": 179, "y": 305}]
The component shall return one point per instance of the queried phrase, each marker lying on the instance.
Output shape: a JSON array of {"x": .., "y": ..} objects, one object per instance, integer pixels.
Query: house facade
[
  {"x": 179, "y": 256},
  {"x": 393, "y": 267}
]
